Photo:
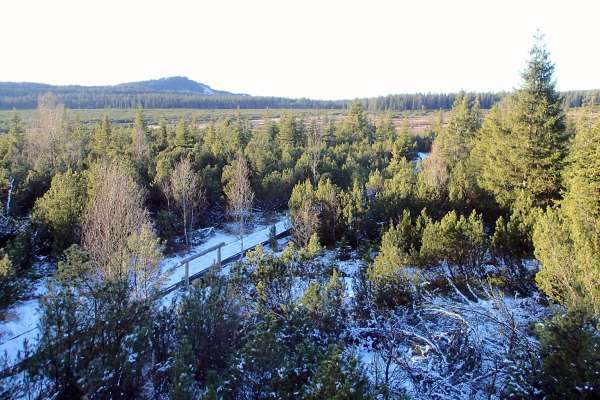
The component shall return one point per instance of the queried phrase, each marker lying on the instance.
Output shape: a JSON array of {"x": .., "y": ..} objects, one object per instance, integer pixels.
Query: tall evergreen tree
[{"x": 523, "y": 144}]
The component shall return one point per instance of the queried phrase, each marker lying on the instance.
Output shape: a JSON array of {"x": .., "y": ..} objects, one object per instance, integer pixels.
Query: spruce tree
[
  {"x": 523, "y": 143},
  {"x": 456, "y": 140}
]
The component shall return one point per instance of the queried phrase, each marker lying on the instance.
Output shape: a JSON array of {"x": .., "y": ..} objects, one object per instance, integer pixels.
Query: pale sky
[{"x": 320, "y": 49}]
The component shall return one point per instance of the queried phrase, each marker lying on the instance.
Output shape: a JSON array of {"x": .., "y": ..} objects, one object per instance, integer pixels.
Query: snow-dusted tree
[
  {"x": 238, "y": 191},
  {"x": 187, "y": 195}
]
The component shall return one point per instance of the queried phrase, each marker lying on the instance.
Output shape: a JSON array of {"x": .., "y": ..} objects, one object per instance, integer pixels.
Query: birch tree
[
  {"x": 117, "y": 232},
  {"x": 187, "y": 195},
  {"x": 236, "y": 179}
]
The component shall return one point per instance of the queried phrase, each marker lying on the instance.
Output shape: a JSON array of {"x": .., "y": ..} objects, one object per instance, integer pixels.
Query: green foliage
[
  {"x": 207, "y": 325},
  {"x": 456, "y": 139},
  {"x": 338, "y": 377},
  {"x": 312, "y": 249},
  {"x": 182, "y": 373},
  {"x": 354, "y": 213},
  {"x": 567, "y": 240},
  {"x": 391, "y": 284},
  {"x": 324, "y": 305},
  {"x": 75, "y": 268},
  {"x": 570, "y": 359},
  {"x": 8, "y": 282},
  {"x": 273, "y": 238},
  {"x": 522, "y": 144},
  {"x": 355, "y": 126},
  {"x": 457, "y": 242},
  {"x": 94, "y": 343},
  {"x": 61, "y": 208},
  {"x": 183, "y": 137}
]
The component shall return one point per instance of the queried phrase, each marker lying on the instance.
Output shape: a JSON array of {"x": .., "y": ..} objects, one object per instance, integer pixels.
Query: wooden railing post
[
  {"x": 187, "y": 275},
  {"x": 219, "y": 257}
]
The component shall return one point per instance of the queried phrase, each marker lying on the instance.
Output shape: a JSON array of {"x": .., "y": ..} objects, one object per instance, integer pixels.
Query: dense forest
[
  {"x": 471, "y": 271},
  {"x": 179, "y": 92}
]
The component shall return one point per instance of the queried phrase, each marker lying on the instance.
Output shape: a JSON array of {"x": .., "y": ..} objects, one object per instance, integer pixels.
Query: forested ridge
[
  {"x": 472, "y": 271},
  {"x": 184, "y": 93}
]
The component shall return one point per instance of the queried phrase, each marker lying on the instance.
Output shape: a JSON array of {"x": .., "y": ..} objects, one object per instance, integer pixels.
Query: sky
[{"x": 324, "y": 49}]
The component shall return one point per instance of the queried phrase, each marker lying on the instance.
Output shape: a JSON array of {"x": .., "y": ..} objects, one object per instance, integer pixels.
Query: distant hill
[{"x": 174, "y": 84}]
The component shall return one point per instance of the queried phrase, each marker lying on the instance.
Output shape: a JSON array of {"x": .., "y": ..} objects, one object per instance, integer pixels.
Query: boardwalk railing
[
  {"x": 185, "y": 263},
  {"x": 185, "y": 282}
]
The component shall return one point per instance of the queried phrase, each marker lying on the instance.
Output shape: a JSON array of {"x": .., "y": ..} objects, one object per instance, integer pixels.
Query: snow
[
  {"x": 21, "y": 323},
  {"x": 448, "y": 345},
  {"x": 175, "y": 272},
  {"x": 422, "y": 155}
]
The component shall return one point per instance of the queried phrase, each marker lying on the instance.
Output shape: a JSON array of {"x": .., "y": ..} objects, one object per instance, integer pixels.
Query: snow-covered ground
[
  {"x": 447, "y": 345},
  {"x": 23, "y": 318},
  {"x": 20, "y": 324},
  {"x": 175, "y": 272}
]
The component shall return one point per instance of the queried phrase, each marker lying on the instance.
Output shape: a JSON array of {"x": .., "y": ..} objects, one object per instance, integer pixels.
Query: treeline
[
  {"x": 23, "y": 96},
  {"x": 426, "y": 101},
  {"x": 85, "y": 98}
]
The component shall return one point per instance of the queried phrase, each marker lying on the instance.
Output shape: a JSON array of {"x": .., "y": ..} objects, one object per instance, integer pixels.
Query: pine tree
[
  {"x": 456, "y": 241},
  {"x": 570, "y": 354},
  {"x": 8, "y": 282},
  {"x": 102, "y": 138},
  {"x": 338, "y": 377},
  {"x": 401, "y": 145},
  {"x": 182, "y": 385},
  {"x": 386, "y": 131},
  {"x": 327, "y": 196},
  {"x": 355, "y": 126},
  {"x": 388, "y": 274}
]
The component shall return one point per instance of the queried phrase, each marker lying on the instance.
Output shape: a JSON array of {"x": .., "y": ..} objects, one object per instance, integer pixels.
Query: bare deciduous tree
[
  {"x": 46, "y": 136},
  {"x": 239, "y": 192},
  {"x": 187, "y": 194},
  {"x": 306, "y": 223},
  {"x": 117, "y": 231},
  {"x": 314, "y": 147}
]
